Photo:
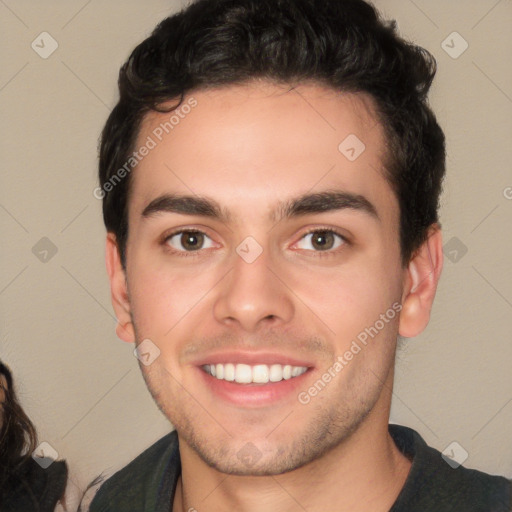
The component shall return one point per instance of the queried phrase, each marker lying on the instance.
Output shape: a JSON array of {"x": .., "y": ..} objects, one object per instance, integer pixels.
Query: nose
[{"x": 254, "y": 293}]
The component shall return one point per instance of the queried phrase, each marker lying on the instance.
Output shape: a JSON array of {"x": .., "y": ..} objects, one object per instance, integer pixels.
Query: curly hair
[{"x": 342, "y": 44}]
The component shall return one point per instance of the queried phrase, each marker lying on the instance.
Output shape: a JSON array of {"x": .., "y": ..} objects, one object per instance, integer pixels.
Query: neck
[{"x": 365, "y": 472}]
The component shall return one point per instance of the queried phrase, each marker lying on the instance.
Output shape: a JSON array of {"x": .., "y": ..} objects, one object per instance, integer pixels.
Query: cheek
[
  {"x": 162, "y": 296},
  {"x": 348, "y": 300},
  {"x": 156, "y": 302}
]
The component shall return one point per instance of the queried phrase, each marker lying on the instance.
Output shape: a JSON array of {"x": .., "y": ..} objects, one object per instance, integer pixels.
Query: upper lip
[{"x": 252, "y": 358}]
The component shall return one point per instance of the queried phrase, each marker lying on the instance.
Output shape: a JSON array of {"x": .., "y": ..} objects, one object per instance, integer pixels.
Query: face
[{"x": 282, "y": 259}]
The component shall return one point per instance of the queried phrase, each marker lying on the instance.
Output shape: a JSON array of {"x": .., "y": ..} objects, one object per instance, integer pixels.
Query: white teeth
[
  {"x": 276, "y": 373},
  {"x": 229, "y": 372},
  {"x": 295, "y": 371},
  {"x": 243, "y": 374},
  {"x": 259, "y": 373}
]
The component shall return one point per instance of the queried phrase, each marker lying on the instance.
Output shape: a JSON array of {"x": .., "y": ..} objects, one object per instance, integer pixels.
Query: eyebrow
[{"x": 306, "y": 204}]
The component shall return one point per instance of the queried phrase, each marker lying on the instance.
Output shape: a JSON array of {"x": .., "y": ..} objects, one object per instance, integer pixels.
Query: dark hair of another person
[
  {"x": 341, "y": 44},
  {"x": 18, "y": 437}
]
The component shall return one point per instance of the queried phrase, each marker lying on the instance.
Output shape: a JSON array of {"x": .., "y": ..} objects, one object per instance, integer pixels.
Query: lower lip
[{"x": 254, "y": 395}]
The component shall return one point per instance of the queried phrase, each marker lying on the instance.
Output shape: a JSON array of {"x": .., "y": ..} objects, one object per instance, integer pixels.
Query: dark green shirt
[{"x": 148, "y": 483}]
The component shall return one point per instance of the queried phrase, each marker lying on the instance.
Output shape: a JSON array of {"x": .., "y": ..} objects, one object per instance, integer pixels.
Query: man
[{"x": 270, "y": 181}]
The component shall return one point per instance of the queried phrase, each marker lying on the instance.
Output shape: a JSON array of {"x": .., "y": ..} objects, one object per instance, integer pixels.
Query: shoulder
[
  {"x": 135, "y": 487},
  {"x": 33, "y": 484},
  {"x": 437, "y": 482}
]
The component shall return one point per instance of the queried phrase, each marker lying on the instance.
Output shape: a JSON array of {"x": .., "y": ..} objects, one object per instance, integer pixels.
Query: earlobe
[
  {"x": 118, "y": 290},
  {"x": 410, "y": 317},
  {"x": 423, "y": 273},
  {"x": 125, "y": 331}
]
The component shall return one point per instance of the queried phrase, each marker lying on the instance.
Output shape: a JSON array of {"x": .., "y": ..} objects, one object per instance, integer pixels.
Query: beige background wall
[{"x": 82, "y": 386}]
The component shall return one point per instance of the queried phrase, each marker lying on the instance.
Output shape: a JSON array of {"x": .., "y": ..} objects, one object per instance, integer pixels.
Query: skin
[{"x": 249, "y": 148}]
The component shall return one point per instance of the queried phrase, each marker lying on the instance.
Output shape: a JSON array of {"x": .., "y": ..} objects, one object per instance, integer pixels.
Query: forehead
[{"x": 256, "y": 144}]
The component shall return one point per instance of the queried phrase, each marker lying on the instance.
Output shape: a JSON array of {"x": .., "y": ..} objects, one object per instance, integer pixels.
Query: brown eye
[
  {"x": 322, "y": 240},
  {"x": 188, "y": 241}
]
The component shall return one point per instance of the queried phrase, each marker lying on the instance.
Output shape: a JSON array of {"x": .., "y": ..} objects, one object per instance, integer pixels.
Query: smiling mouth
[{"x": 253, "y": 374}]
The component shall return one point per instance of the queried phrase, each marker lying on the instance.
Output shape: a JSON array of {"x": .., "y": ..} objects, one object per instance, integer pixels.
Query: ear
[
  {"x": 119, "y": 290},
  {"x": 422, "y": 276}
]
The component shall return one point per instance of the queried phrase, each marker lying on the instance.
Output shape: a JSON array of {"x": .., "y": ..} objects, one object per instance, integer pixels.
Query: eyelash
[{"x": 192, "y": 254}]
